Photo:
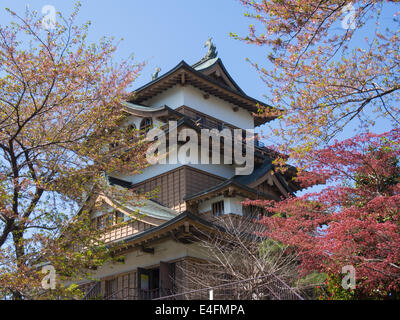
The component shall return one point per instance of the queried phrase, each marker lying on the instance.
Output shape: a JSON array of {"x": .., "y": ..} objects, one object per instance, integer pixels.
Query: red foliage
[{"x": 354, "y": 221}]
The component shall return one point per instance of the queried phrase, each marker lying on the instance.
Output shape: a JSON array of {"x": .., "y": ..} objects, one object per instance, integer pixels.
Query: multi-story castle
[{"x": 189, "y": 195}]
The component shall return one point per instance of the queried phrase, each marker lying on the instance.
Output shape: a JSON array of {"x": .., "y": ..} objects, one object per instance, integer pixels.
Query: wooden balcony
[
  {"x": 134, "y": 294},
  {"x": 123, "y": 294}
]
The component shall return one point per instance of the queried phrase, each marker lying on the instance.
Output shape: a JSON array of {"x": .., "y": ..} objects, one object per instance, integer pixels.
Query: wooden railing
[
  {"x": 204, "y": 124},
  {"x": 268, "y": 287},
  {"x": 94, "y": 292},
  {"x": 134, "y": 294},
  {"x": 122, "y": 230}
]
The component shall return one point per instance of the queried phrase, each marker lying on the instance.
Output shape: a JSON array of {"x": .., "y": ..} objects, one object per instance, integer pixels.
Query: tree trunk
[{"x": 18, "y": 238}]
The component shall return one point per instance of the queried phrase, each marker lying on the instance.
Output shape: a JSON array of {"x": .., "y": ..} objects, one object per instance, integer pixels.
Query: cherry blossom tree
[
  {"x": 329, "y": 63},
  {"x": 61, "y": 128}
]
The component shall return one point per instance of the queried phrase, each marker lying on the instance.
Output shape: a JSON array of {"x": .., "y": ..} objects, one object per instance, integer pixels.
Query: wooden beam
[
  {"x": 147, "y": 249},
  {"x": 183, "y": 80},
  {"x": 186, "y": 224}
]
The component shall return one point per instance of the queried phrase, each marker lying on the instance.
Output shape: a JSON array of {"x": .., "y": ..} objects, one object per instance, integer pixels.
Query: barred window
[
  {"x": 218, "y": 208},
  {"x": 252, "y": 211},
  {"x": 145, "y": 124},
  {"x": 131, "y": 130},
  {"x": 111, "y": 286},
  {"x": 119, "y": 217},
  {"x": 109, "y": 220}
]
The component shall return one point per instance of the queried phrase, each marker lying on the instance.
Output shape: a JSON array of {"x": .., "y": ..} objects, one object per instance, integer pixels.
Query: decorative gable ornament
[{"x": 212, "y": 50}]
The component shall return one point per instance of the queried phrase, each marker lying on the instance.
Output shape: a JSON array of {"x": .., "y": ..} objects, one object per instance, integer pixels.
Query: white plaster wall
[
  {"x": 192, "y": 97},
  {"x": 136, "y": 121},
  {"x": 173, "y": 98},
  {"x": 224, "y": 171},
  {"x": 234, "y": 205},
  {"x": 218, "y": 108},
  {"x": 231, "y": 205},
  {"x": 205, "y": 206},
  {"x": 132, "y": 120},
  {"x": 148, "y": 173},
  {"x": 165, "y": 251}
]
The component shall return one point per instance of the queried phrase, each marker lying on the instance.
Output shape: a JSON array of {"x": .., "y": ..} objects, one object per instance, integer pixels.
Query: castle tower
[{"x": 189, "y": 195}]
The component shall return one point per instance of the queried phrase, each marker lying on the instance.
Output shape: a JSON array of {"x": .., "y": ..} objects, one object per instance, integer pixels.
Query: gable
[
  {"x": 225, "y": 88},
  {"x": 216, "y": 70}
]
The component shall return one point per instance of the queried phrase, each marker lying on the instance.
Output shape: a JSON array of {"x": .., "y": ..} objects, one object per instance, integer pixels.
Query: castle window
[
  {"x": 218, "y": 208},
  {"x": 145, "y": 124},
  {"x": 101, "y": 222},
  {"x": 119, "y": 217},
  {"x": 254, "y": 212},
  {"x": 131, "y": 131},
  {"x": 109, "y": 220},
  {"x": 111, "y": 286}
]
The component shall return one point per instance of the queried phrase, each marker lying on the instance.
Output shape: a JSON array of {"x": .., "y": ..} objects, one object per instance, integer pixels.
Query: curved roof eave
[
  {"x": 186, "y": 215},
  {"x": 138, "y": 107}
]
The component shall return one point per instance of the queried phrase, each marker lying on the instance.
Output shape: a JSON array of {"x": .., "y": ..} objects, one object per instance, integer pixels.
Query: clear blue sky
[{"x": 164, "y": 32}]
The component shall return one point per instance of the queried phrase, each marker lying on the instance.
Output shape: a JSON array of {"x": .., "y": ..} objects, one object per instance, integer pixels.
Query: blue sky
[{"x": 163, "y": 33}]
